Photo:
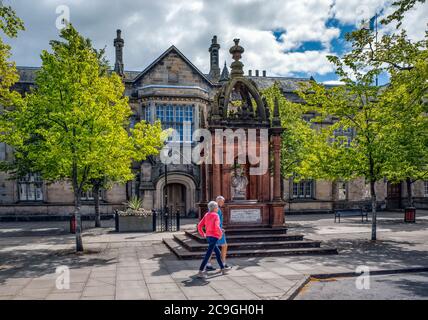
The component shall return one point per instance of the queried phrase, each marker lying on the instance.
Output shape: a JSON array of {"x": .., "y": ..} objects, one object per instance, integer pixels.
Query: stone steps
[
  {"x": 182, "y": 253},
  {"x": 238, "y": 238},
  {"x": 255, "y": 230},
  {"x": 248, "y": 241},
  {"x": 194, "y": 246}
]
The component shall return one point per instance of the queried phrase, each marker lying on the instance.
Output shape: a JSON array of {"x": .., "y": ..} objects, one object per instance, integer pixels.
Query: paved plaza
[{"x": 139, "y": 266}]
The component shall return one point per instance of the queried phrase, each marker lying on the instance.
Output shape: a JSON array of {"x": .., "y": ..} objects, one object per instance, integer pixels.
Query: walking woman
[
  {"x": 213, "y": 232},
  {"x": 222, "y": 243}
]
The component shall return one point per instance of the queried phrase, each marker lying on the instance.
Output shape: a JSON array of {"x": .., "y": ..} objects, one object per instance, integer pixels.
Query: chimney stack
[
  {"x": 214, "y": 59},
  {"x": 264, "y": 73},
  {"x": 119, "y": 43},
  {"x": 250, "y": 73},
  {"x": 257, "y": 73}
]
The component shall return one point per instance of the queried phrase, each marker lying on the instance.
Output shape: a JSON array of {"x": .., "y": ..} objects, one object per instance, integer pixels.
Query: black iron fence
[{"x": 166, "y": 220}]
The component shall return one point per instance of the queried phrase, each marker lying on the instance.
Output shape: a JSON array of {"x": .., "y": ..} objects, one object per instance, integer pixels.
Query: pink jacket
[{"x": 211, "y": 222}]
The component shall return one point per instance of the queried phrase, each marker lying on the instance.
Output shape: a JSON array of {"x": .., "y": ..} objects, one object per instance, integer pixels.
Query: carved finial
[
  {"x": 267, "y": 109},
  {"x": 225, "y": 74},
  {"x": 276, "y": 121},
  {"x": 237, "y": 66}
]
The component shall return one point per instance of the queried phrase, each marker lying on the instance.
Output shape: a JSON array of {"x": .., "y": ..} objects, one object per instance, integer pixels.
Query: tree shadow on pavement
[
  {"x": 39, "y": 263},
  {"x": 417, "y": 286}
]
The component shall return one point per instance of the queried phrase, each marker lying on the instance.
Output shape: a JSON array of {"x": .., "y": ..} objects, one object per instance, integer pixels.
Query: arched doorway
[
  {"x": 181, "y": 190},
  {"x": 394, "y": 196},
  {"x": 176, "y": 197}
]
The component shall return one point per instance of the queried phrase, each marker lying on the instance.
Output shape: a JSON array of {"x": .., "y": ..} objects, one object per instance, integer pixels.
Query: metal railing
[{"x": 166, "y": 220}]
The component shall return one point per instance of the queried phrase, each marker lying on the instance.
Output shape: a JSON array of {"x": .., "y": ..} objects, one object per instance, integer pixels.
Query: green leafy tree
[
  {"x": 114, "y": 167},
  {"x": 299, "y": 137},
  {"x": 10, "y": 25},
  {"x": 74, "y": 126},
  {"x": 389, "y": 123},
  {"x": 401, "y": 7},
  {"x": 406, "y": 95},
  {"x": 353, "y": 107}
]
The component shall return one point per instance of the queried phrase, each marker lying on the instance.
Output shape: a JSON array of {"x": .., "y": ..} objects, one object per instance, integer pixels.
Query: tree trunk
[
  {"x": 77, "y": 199},
  {"x": 79, "y": 241},
  {"x": 374, "y": 211},
  {"x": 409, "y": 192},
  {"x": 96, "y": 191}
]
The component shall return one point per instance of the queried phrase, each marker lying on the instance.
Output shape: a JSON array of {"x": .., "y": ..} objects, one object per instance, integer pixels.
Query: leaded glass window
[
  {"x": 31, "y": 188},
  {"x": 179, "y": 118},
  {"x": 303, "y": 189}
]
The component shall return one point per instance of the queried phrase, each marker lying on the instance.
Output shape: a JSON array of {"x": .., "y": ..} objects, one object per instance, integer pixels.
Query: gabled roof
[{"x": 182, "y": 56}]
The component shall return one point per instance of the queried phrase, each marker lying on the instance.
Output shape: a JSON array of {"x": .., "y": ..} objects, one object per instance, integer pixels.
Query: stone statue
[{"x": 239, "y": 185}]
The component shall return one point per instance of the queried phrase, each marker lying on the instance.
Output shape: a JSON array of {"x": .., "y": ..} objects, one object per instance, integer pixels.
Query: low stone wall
[{"x": 54, "y": 209}]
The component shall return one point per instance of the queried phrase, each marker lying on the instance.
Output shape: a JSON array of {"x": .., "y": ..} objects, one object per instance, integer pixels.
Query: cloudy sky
[{"x": 284, "y": 37}]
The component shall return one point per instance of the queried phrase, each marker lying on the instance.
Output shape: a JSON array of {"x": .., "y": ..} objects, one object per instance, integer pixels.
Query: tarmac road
[{"x": 385, "y": 287}]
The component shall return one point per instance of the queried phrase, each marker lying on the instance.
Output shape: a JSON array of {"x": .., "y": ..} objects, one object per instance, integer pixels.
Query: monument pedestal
[
  {"x": 277, "y": 215},
  {"x": 242, "y": 214}
]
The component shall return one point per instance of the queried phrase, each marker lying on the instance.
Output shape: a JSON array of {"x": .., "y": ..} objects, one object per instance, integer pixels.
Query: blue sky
[
  {"x": 339, "y": 46},
  {"x": 285, "y": 38}
]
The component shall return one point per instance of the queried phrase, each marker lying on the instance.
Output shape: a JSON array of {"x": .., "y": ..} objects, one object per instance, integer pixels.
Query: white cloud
[
  {"x": 150, "y": 27},
  {"x": 334, "y": 83}
]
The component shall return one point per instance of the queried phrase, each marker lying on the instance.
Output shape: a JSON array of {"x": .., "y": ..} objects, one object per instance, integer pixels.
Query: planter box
[{"x": 134, "y": 224}]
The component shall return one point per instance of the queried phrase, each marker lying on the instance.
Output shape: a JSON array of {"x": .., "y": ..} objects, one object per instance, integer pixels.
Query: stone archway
[{"x": 175, "y": 178}]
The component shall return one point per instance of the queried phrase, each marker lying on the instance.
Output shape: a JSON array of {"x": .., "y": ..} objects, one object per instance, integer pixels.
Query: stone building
[{"x": 175, "y": 91}]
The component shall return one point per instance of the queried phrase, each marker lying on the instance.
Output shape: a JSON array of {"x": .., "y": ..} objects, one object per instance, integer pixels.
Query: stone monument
[{"x": 242, "y": 115}]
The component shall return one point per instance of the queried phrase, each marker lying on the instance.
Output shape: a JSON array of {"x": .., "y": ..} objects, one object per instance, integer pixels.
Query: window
[
  {"x": 89, "y": 195},
  {"x": 148, "y": 114},
  {"x": 179, "y": 118},
  {"x": 30, "y": 188},
  {"x": 342, "y": 191},
  {"x": 345, "y": 135},
  {"x": 308, "y": 118},
  {"x": 426, "y": 189},
  {"x": 133, "y": 121},
  {"x": 303, "y": 190}
]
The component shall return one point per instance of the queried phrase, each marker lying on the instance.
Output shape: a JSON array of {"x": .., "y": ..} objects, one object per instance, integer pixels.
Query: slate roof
[
  {"x": 288, "y": 85},
  {"x": 28, "y": 74}
]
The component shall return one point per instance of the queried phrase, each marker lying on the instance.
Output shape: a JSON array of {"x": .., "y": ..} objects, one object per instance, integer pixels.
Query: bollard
[{"x": 73, "y": 224}]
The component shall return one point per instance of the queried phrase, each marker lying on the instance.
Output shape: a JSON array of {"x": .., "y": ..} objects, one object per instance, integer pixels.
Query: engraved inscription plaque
[{"x": 245, "y": 216}]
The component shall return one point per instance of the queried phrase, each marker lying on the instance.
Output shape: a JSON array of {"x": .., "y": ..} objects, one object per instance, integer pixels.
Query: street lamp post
[{"x": 166, "y": 190}]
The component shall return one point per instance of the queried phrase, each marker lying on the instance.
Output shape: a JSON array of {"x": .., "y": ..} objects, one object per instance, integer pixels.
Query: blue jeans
[{"x": 212, "y": 246}]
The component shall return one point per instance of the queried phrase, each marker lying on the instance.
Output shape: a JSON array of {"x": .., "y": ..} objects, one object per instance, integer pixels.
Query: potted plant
[{"x": 134, "y": 218}]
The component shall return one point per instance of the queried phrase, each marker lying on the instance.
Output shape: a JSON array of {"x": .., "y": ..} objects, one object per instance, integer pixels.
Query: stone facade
[{"x": 172, "y": 82}]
